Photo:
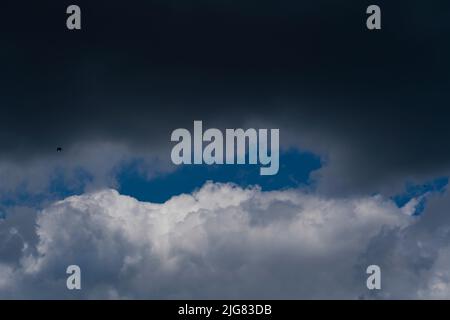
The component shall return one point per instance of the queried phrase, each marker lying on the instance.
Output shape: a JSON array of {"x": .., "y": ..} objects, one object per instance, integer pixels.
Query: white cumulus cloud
[{"x": 221, "y": 241}]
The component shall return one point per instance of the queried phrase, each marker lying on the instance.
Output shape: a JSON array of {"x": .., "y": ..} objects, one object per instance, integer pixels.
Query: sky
[{"x": 364, "y": 149}]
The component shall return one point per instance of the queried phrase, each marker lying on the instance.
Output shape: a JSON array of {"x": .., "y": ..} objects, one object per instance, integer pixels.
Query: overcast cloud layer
[{"x": 373, "y": 103}]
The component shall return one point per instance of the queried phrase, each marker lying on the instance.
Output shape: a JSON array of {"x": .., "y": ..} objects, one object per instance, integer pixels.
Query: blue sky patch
[
  {"x": 418, "y": 190},
  {"x": 295, "y": 168}
]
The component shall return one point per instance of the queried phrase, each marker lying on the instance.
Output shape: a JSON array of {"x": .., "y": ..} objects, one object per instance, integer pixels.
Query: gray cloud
[
  {"x": 17, "y": 234},
  {"x": 416, "y": 258}
]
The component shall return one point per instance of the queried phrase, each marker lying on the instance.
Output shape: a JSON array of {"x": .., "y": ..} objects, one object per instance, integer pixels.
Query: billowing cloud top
[{"x": 226, "y": 242}]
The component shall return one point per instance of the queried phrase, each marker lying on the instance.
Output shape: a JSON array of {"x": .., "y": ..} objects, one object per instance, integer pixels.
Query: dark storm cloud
[{"x": 375, "y": 102}]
